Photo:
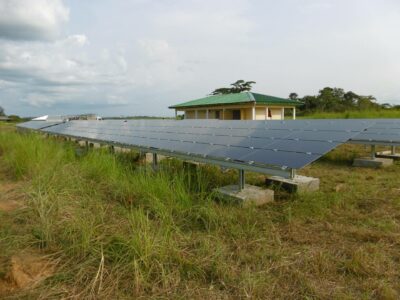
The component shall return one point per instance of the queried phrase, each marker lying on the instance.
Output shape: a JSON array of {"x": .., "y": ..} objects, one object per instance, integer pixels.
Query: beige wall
[
  {"x": 245, "y": 113},
  {"x": 276, "y": 113},
  {"x": 260, "y": 113},
  {"x": 228, "y": 115},
  {"x": 201, "y": 114},
  {"x": 189, "y": 114}
]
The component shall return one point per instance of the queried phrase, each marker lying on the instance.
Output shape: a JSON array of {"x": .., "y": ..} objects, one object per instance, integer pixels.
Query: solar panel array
[
  {"x": 282, "y": 145},
  {"x": 36, "y": 125},
  {"x": 383, "y": 132},
  {"x": 288, "y": 144}
]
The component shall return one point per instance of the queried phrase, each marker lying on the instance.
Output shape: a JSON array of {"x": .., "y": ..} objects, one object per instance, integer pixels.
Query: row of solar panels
[{"x": 266, "y": 144}]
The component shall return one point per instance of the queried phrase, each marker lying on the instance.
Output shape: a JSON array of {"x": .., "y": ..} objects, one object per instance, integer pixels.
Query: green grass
[
  {"x": 120, "y": 230},
  {"x": 362, "y": 114}
]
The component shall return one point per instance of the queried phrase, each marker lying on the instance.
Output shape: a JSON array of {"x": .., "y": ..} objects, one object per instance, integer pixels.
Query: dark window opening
[
  {"x": 217, "y": 114},
  {"x": 236, "y": 114},
  {"x": 269, "y": 113}
]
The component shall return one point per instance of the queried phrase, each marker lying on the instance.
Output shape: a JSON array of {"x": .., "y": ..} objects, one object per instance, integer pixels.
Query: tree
[
  {"x": 293, "y": 96},
  {"x": 386, "y": 105},
  {"x": 2, "y": 111},
  {"x": 337, "y": 100},
  {"x": 237, "y": 87}
]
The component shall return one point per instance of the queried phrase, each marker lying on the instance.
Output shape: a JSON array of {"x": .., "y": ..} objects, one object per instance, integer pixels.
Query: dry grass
[{"x": 120, "y": 232}]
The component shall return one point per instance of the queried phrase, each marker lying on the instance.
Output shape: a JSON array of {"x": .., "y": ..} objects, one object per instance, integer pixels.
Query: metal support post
[
  {"x": 373, "y": 151},
  {"x": 142, "y": 157},
  {"x": 292, "y": 173},
  {"x": 155, "y": 161},
  {"x": 241, "y": 179},
  {"x": 393, "y": 150}
]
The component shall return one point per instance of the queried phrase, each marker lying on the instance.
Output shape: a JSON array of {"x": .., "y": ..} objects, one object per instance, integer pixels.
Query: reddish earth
[
  {"x": 10, "y": 197},
  {"x": 26, "y": 270}
]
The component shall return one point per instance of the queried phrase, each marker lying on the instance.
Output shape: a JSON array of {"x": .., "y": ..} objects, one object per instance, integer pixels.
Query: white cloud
[
  {"x": 147, "y": 55},
  {"x": 64, "y": 71},
  {"x": 31, "y": 19},
  {"x": 75, "y": 40}
]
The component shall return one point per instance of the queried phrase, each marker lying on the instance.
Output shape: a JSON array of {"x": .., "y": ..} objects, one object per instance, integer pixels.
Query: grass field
[
  {"x": 107, "y": 227},
  {"x": 357, "y": 114}
]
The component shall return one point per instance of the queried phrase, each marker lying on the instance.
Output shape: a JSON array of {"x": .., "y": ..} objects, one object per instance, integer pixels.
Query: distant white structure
[
  {"x": 68, "y": 118},
  {"x": 42, "y": 118}
]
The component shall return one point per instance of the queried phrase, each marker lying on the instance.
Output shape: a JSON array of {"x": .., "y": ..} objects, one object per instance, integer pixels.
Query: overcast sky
[{"x": 138, "y": 57}]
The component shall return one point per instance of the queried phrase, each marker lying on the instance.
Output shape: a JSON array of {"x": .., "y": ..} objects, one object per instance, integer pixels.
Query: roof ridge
[{"x": 251, "y": 96}]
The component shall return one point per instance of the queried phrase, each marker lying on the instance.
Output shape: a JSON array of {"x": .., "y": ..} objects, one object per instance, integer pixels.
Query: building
[
  {"x": 5, "y": 119},
  {"x": 239, "y": 106}
]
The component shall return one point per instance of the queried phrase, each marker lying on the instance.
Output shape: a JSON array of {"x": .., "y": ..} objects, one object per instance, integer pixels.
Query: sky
[{"x": 137, "y": 57}]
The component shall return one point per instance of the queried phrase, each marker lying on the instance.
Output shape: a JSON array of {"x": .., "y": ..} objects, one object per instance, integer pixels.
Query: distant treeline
[{"x": 337, "y": 100}]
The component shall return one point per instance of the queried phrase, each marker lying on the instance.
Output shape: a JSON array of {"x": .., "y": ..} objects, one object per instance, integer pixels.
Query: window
[
  {"x": 236, "y": 114},
  {"x": 217, "y": 114}
]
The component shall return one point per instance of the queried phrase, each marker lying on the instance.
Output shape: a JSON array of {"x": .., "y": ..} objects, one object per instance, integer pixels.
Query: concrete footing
[
  {"x": 388, "y": 154},
  {"x": 368, "y": 162},
  {"x": 249, "y": 195},
  {"x": 297, "y": 184}
]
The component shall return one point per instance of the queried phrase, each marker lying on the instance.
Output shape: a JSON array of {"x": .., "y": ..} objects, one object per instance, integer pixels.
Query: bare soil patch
[
  {"x": 10, "y": 197},
  {"x": 25, "y": 270}
]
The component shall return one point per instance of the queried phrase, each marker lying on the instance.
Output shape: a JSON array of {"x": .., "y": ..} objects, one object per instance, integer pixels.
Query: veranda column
[{"x": 294, "y": 113}]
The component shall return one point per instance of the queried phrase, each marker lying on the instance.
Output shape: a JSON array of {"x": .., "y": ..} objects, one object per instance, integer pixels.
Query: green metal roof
[{"x": 238, "y": 98}]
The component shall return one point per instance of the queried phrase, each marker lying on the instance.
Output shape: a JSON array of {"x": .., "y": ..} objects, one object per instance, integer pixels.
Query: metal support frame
[
  {"x": 373, "y": 151},
  {"x": 155, "y": 161},
  {"x": 242, "y": 179}
]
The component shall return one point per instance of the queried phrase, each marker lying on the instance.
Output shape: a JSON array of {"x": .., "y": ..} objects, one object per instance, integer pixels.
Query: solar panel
[
  {"x": 36, "y": 125},
  {"x": 266, "y": 145},
  {"x": 288, "y": 144},
  {"x": 382, "y": 132}
]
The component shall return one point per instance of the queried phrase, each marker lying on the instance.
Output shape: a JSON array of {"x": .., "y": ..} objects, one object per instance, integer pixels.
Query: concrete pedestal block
[
  {"x": 368, "y": 162},
  {"x": 297, "y": 184},
  {"x": 250, "y": 195},
  {"x": 388, "y": 154}
]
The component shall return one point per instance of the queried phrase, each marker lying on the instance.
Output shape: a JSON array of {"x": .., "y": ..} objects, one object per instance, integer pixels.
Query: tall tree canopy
[
  {"x": 293, "y": 96},
  {"x": 336, "y": 100},
  {"x": 236, "y": 87}
]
